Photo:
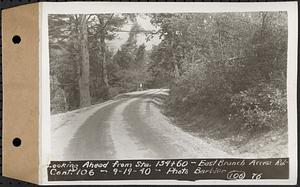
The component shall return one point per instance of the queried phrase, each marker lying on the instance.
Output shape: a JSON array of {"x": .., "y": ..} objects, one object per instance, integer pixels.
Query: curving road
[{"x": 130, "y": 127}]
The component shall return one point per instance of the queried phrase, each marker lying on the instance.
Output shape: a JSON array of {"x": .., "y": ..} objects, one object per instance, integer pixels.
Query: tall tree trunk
[
  {"x": 103, "y": 28},
  {"x": 176, "y": 69},
  {"x": 84, "y": 77},
  {"x": 104, "y": 65}
]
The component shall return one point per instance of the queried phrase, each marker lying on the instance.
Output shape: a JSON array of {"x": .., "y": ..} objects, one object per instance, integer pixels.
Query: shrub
[{"x": 262, "y": 106}]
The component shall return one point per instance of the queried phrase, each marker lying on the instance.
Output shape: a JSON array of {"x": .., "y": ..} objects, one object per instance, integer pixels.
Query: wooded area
[
  {"x": 83, "y": 69},
  {"x": 229, "y": 64}
]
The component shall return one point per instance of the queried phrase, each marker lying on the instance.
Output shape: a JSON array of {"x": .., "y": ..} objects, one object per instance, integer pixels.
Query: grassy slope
[{"x": 228, "y": 136}]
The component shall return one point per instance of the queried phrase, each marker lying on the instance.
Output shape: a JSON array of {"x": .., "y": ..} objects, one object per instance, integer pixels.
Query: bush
[
  {"x": 260, "y": 107},
  {"x": 202, "y": 87}
]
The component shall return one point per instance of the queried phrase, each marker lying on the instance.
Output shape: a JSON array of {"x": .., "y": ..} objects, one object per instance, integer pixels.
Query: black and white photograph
[
  {"x": 159, "y": 85},
  {"x": 168, "y": 85}
]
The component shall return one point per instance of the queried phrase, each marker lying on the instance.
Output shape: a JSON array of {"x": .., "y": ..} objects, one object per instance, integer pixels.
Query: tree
[
  {"x": 84, "y": 75},
  {"x": 106, "y": 27},
  {"x": 131, "y": 61},
  {"x": 80, "y": 45},
  {"x": 222, "y": 62}
]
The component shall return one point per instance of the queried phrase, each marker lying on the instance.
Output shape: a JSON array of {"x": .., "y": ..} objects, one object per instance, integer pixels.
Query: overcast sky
[{"x": 144, "y": 22}]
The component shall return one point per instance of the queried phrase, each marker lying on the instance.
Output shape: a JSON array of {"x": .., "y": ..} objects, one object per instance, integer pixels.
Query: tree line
[
  {"x": 224, "y": 64},
  {"x": 233, "y": 64},
  {"x": 83, "y": 69}
]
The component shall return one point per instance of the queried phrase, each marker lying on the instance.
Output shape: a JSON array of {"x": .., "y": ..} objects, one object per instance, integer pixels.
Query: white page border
[{"x": 158, "y": 7}]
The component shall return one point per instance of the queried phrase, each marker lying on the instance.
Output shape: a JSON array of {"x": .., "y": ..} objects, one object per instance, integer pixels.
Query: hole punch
[
  {"x": 16, "y": 39},
  {"x": 16, "y": 142}
]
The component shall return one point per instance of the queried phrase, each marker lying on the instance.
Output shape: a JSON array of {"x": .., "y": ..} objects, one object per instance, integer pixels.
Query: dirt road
[{"x": 131, "y": 127}]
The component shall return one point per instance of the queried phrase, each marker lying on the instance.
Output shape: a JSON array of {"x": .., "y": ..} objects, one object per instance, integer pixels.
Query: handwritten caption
[{"x": 180, "y": 169}]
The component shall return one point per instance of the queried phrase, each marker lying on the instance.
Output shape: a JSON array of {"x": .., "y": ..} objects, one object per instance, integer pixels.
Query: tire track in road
[
  {"x": 126, "y": 144},
  {"x": 92, "y": 140},
  {"x": 133, "y": 128},
  {"x": 100, "y": 136},
  {"x": 150, "y": 140}
]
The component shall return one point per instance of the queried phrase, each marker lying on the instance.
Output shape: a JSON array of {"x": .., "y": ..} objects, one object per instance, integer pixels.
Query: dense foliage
[
  {"x": 83, "y": 68},
  {"x": 231, "y": 63},
  {"x": 223, "y": 64}
]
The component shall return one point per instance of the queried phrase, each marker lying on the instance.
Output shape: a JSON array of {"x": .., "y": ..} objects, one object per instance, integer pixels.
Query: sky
[{"x": 144, "y": 22}]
